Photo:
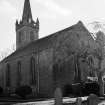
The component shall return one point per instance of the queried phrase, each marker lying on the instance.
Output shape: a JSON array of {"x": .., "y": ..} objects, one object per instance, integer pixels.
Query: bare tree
[{"x": 99, "y": 53}]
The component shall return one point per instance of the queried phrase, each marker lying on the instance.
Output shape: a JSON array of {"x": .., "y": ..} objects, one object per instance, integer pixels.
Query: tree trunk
[
  {"x": 101, "y": 84},
  {"x": 100, "y": 81}
]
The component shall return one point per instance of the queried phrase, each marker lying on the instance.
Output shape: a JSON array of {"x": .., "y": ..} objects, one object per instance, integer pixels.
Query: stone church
[{"x": 49, "y": 62}]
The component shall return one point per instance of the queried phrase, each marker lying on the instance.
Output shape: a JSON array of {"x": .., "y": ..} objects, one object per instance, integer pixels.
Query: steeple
[
  {"x": 27, "y": 30},
  {"x": 27, "y": 14}
]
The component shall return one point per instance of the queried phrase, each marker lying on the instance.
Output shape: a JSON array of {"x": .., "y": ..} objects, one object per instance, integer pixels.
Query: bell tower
[{"x": 27, "y": 30}]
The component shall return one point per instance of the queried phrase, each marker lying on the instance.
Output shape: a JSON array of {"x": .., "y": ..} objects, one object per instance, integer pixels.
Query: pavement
[
  {"x": 51, "y": 101},
  {"x": 7, "y": 101},
  {"x": 66, "y": 101}
]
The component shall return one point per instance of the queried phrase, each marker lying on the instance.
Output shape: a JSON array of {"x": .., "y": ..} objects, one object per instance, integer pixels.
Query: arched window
[
  {"x": 55, "y": 72},
  {"x": 32, "y": 72},
  {"x": 90, "y": 61},
  {"x": 31, "y": 35},
  {"x": 8, "y": 76},
  {"x": 21, "y": 36},
  {"x": 18, "y": 73}
]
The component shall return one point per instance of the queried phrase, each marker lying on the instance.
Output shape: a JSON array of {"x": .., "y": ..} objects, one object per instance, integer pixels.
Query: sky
[{"x": 54, "y": 15}]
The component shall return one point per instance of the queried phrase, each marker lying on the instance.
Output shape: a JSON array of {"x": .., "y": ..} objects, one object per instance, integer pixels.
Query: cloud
[
  {"x": 6, "y": 7},
  {"x": 54, "y": 7}
]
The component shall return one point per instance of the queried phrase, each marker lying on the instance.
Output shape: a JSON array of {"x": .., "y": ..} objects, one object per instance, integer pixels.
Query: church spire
[
  {"x": 27, "y": 30},
  {"x": 27, "y": 14}
]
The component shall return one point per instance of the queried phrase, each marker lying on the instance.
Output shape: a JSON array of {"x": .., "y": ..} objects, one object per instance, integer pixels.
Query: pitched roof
[{"x": 48, "y": 41}]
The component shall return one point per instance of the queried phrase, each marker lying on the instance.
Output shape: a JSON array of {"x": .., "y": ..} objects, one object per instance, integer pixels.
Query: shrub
[
  {"x": 23, "y": 91},
  {"x": 67, "y": 90},
  {"x": 77, "y": 88},
  {"x": 91, "y": 88}
]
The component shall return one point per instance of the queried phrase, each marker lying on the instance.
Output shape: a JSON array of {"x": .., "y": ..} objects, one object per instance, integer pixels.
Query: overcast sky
[{"x": 54, "y": 15}]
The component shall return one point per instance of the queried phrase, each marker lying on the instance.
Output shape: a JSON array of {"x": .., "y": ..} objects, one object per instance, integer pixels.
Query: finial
[
  {"x": 16, "y": 22},
  {"x": 37, "y": 24},
  {"x": 80, "y": 22},
  {"x": 37, "y": 21}
]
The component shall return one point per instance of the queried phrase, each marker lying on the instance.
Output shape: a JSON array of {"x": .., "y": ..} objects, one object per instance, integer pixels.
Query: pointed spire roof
[
  {"x": 27, "y": 14},
  {"x": 37, "y": 21}
]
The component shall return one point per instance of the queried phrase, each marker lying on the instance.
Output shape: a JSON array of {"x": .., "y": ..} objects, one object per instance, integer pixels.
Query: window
[
  {"x": 32, "y": 72},
  {"x": 21, "y": 36},
  {"x": 31, "y": 35},
  {"x": 8, "y": 76},
  {"x": 18, "y": 73}
]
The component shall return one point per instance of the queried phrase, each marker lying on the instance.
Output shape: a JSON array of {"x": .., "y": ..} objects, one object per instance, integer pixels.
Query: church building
[{"x": 49, "y": 62}]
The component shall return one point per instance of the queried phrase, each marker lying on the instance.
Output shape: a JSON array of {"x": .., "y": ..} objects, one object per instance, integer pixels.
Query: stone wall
[
  {"x": 73, "y": 47},
  {"x": 45, "y": 72},
  {"x": 43, "y": 67}
]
